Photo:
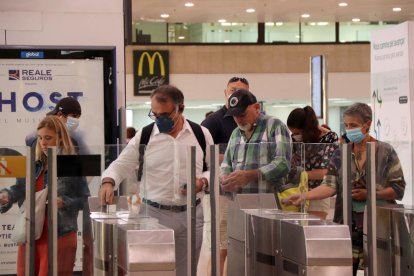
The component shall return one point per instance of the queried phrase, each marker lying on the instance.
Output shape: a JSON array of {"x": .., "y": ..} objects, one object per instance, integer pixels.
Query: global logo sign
[
  {"x": 26, "y": 54},
  {"x": 14, "y": 74}
]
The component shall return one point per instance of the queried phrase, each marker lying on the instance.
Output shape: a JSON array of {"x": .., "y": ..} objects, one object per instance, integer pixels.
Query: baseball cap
[
  {"x": 239, "y": 101},
  {"x": 67, "y": 105}
]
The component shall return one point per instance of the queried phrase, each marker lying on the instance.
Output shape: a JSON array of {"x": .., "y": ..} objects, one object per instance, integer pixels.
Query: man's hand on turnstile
[
  {"x": 106, "y": 194},
  {"x": 238, "y": 179}
]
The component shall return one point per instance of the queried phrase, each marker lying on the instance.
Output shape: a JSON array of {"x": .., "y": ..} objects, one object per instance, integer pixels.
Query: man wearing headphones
[{"x": 163, "y": 183}]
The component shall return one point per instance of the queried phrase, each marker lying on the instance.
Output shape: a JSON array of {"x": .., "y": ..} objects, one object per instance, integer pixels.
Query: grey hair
[{"x": 360, "y": 110}]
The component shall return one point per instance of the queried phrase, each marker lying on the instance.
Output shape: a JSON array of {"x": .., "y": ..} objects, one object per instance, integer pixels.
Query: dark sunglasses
[{"x": 236, "y": 79}]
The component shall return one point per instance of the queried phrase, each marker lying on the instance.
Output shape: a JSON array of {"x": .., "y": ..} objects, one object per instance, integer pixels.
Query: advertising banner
[
  {"x": 30, "y": 88},
  {"x": 391, "y": 93},
  {"x": 151, "y": 70}
]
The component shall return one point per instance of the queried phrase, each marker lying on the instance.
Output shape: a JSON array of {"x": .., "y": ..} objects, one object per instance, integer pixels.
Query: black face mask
[{"x": 165, "y": 124}]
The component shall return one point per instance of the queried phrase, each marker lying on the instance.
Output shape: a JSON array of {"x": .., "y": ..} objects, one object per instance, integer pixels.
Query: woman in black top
[{"x": 314, "y": 154}]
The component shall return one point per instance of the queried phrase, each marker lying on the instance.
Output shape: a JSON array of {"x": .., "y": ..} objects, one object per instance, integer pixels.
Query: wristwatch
[{"x": 205, "y": 184}]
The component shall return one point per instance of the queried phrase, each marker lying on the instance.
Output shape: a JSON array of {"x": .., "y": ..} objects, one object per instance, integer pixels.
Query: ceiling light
[
  {"x": 189, "y": 4},
  {"x": 343, "y": 4},
  {"x": 250, "y": 10},
  {"x": 165, "y": 15},
  {"x": 396, "y": 9},
  {"x": 322, "y": 23},
  {"x": 279, "y": 23},
  {"x": 305, "y": 15},
  {"x": 312, "y": 24},
  {"x": 356, "y": 19},
  {"x": 269, "y": 24},
  {"x": 221, "y": 20},
  {"x": 226, "y": 24},
  {"x": 181, "y": 37}
]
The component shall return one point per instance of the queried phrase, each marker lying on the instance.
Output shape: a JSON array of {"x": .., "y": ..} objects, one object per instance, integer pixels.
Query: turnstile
[
  {"x": 103, "y": 234},
  {"x": 288, "y": 243},
  {"x": 395, "y": 236},
  {"x": 145, "y": 249},
  {"x": 315, "y": 248},
  {"x": 127, "y": 244},
  {"x": 273, "y": 242},
  {"x": 236, "y": 228}
]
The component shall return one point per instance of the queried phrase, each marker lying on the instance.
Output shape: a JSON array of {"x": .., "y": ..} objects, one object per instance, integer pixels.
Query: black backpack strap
[
  {"x": 145, "y": 137},
  {"x": 198, "y": 132}
]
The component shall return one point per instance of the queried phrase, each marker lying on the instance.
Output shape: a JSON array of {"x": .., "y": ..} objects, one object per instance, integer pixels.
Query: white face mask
[
  {"x": 72, "y": 123},
  {"x": 297, "y": 137}
]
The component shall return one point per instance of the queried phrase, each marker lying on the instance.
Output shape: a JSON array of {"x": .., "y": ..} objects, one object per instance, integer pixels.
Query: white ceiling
[{"x": 271, "y": 10}]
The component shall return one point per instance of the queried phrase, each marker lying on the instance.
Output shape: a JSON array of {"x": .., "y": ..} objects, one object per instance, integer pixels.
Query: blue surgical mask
[
  {"x": 355, "y": 135},
  {"x": 165, "y": 124},
  {"x": 72, "y": 123}
]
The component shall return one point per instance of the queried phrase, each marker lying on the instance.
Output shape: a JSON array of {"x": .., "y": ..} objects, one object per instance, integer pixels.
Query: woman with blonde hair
[{"x": 71, "y": 191}]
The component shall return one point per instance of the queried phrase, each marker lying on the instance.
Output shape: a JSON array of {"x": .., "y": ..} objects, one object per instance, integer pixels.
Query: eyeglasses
[
  {"x": 154, "y": 116},
  {"x": 236, "y": 79}
]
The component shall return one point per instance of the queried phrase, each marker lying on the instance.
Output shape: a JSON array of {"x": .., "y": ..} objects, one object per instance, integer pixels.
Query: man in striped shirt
[{"x": 258, "y": 154}]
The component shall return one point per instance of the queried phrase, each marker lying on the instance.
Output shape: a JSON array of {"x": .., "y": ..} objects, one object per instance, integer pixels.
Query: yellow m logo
[{"x": 151, "y": 61}]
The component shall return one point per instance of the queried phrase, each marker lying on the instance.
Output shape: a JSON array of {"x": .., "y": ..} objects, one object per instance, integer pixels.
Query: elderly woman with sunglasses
[{"x": 390, "y": 183}]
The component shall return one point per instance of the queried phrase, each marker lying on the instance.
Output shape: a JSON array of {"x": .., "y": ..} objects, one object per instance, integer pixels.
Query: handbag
[
  {"x": 296, "y": 182},
  {"x": 18, "y": 234}
]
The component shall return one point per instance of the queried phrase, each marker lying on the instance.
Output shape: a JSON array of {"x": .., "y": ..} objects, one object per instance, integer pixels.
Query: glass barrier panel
[
  {"x": 13, "y": 163},
  {"x": 388, "y": 169},
  {"x": 282, "y": 32},
  {"x": 318, "y": 32},
  {"x": 167, "y": 177},
  {"x": 277, "y": 177},
  {"x": 359, "y": 31},
  {"x": 149, "y": 32},
  {"x": 316, "y": 160}
]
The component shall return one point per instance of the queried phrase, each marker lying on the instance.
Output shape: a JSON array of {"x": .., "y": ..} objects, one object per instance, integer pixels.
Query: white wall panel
[
  {"x": 96, "y": 6},
  {"x": 17, "y": 20},
  {"x": 72, "y": 29}
]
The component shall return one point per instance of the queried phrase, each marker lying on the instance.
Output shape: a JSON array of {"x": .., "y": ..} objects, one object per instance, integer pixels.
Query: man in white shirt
[{"x": 165, "y": 169}]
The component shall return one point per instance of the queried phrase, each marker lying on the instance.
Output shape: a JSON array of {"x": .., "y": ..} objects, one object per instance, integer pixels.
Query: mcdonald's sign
[{"x": 151, "y": 70}]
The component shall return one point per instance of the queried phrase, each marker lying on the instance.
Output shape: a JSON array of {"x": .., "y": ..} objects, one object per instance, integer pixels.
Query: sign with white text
[
  {"x": 29, "y": 88},
  {"x": 391, "y": 53}
]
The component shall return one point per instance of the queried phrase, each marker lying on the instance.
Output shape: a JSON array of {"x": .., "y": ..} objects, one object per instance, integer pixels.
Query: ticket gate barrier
[
  {"x": 145, "y": 249},
  {"x": 104, "y": 221},
  {"x": 288, "y": 243},
  {"x": 117, "y": 232},
  {"x": 403, "y": 237},
  {"x": 267, "y": 241},
  {"x": 236, "y": 226},
  {"x": 395, "y": 236}
]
